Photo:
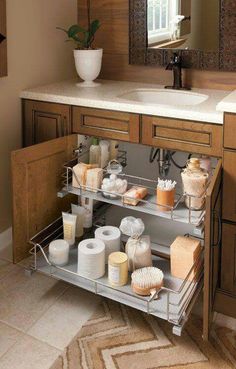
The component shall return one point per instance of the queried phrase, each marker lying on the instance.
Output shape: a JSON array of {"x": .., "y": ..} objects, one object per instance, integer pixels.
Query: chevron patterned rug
[{"x": 118, "y": 337}]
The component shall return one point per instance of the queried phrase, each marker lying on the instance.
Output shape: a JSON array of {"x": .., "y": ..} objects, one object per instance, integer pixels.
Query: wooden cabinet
[
  {"x": 229, "y": 186},
  {"x": 228, "y": 258},
  {"x": 230, "y": 131},
  {"x": 44, "y": 121},
  {"x": 106, "y": 124},
  {"x": 183, "y": 135},
  {"x": 225, "y": 301}
]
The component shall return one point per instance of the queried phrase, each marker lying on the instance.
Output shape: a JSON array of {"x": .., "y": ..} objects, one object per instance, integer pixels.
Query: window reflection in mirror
[{"x": 183, "y": 24}]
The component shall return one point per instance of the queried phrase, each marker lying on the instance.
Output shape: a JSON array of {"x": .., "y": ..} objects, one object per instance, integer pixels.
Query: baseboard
[
  {"x": 5, "y": 238},
  {"x": 225, "y": 303}
]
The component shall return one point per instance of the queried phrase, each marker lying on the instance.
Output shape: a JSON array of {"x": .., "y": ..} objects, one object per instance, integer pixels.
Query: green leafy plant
[{"x": 81, "y": 36}]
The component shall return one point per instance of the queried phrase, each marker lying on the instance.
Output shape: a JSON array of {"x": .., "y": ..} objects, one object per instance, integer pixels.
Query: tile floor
[{"x": 39, "y": 316}]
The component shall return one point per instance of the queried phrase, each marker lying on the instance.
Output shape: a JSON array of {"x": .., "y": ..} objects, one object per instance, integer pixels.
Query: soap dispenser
[{"x": 95, "y": 152}]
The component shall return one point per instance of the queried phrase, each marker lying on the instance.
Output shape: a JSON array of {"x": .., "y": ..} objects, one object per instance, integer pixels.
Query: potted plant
[{"x": 88, "y": 61}]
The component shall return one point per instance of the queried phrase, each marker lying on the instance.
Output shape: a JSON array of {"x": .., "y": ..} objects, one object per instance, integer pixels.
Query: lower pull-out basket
[{"x": 173, "y": 302}]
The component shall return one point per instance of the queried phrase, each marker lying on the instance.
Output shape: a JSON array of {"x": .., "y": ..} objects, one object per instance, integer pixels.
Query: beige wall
[
  {"x": 37, "y": 55},
  {"x": 114, "y": 38}
]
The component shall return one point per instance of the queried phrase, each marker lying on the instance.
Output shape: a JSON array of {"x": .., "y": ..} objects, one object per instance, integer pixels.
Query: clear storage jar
[{"x": 195, "y": 181}]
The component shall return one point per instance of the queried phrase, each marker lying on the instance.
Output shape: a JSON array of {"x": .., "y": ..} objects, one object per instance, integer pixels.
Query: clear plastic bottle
[
  {"x": 105, "y": 154},
  {"x": 95, "y": 152},
  {"x": 88, "y": 217},
  {"x": 194, "y": 184},
  {"x": 114, "y": 147}
]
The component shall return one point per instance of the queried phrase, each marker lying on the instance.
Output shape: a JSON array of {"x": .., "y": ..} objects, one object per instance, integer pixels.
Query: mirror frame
[{"x": 140, "y": 54}]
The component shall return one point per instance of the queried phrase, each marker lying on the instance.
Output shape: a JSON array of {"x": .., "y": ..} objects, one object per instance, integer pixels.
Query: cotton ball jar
[{"x": 114, "y": 186}]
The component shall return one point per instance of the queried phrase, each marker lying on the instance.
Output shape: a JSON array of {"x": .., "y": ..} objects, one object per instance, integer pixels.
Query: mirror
[
  {"x": 202, "y": 31},
  {"x": 183, "y": 24}
]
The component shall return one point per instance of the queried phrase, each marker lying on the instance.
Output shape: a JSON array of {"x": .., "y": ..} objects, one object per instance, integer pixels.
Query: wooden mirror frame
[{"x": 224, "y": 60}]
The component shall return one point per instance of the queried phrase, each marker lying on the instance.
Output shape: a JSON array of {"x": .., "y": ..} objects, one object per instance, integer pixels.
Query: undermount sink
[{"x": 164, "y": 97}]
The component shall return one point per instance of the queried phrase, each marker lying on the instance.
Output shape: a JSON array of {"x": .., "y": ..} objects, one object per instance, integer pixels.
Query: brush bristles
[{"x": 147, "y": 277}]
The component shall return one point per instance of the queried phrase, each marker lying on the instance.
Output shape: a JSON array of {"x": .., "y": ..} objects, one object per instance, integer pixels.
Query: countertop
[
  {"x": 228, "y": 104},
  {"x": 106, "y": 96}
]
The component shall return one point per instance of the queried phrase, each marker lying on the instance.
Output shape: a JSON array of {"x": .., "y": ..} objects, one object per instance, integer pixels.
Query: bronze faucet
[{"x": 175, "y": 64}]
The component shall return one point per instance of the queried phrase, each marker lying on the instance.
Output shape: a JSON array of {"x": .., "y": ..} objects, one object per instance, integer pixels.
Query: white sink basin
[{"x": 164, "y": 97}]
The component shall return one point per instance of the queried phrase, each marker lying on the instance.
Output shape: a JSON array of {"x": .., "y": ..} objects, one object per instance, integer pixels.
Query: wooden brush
[{"x": 147, "y": 281}]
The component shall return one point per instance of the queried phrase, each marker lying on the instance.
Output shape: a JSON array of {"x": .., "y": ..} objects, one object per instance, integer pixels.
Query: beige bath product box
[
  {"x": 80, "y": 174},
  {"x": 94, "y": 179},
  {"x": 184, "y": 252}
]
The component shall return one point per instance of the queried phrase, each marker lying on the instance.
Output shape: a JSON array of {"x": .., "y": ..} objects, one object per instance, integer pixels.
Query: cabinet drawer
[
  {"x": 107, "y": 124},
  {"x": 228, "y": 259},
  {"x": 230, "y": 131},
  {"x": 183, "y": 135},
  {"x": 229, "y": 186}
]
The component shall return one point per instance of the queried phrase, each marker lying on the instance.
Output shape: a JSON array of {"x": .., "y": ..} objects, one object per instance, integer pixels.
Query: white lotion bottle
[
  {"x": 69, "y": 227},
  {"x": 95, "y": 152}
]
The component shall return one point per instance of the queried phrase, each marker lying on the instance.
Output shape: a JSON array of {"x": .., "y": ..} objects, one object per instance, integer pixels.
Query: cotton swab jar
[{"x": 165, "y": 194}]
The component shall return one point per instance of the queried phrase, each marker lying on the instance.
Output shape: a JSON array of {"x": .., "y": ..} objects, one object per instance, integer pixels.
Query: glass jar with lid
[{"x": 195, "y": 180}]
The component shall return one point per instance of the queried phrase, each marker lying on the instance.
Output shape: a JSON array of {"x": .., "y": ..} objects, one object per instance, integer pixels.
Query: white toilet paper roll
[
  {"x": 111, "y": 237},
  {"x": 91, "y": 258}
]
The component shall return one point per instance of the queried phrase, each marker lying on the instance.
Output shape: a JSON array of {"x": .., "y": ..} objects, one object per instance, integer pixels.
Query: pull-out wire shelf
[
  {"x": 173, "y": 302},
  {"x": 149, "y": 205}
]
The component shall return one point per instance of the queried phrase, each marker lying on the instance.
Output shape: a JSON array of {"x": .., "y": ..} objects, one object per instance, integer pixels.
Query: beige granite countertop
[
  {"x": 107, "y": 96},
  {"x": 228, "y": 104}
]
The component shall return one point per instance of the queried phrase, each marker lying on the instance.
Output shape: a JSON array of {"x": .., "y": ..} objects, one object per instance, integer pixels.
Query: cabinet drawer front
[
  {"x": 230, "y": 131},
  {"x": 182, "y": 135},
  {"x": 228, "y": 259},
  {"x": 107, "y": 124},
  {"x": 229, "y": 186}
]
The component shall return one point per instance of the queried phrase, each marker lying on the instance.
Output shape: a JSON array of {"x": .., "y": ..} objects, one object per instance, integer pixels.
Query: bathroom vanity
[{"x": 40, "y": 192}]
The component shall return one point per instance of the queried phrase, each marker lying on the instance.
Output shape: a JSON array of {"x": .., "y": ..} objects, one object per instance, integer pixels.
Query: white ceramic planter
[{"x": 88, "y": 65}]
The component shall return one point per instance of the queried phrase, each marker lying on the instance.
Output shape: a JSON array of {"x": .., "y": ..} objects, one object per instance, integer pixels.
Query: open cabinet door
[
  {"x": 212, "y": 247},
  {"x": 36, "y": 179}
]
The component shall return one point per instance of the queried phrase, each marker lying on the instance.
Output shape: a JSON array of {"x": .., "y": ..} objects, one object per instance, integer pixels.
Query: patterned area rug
[{"x": 118, "y": 337}]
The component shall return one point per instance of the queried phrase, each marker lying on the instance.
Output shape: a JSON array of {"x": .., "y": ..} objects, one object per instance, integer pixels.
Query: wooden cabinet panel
[
  {"x": 229, "y": 186},
  {"x": 44, "y": 121},
  {"x": 230, "y": 131},
  {"x": 106, "y": 124},
  {"x": 228, "y": 258},
  {"x": 36, "y": 179},
  {"x": 212, "y": 247},
  {"x": 183, "y": 135}
]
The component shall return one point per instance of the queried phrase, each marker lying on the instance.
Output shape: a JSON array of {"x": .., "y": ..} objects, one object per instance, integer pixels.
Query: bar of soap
[
  {"x": 134, "y": 195},
  {"x": 94, "y": 179},
  {"x": 184, "y": 252},
  {"x": 80, "y": 174}
]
